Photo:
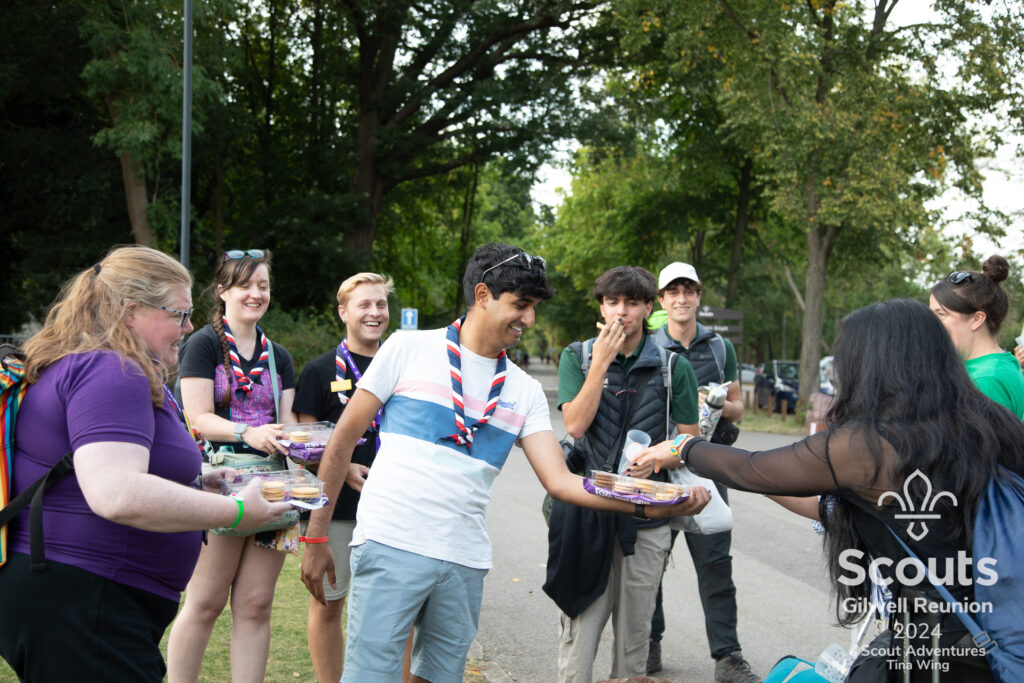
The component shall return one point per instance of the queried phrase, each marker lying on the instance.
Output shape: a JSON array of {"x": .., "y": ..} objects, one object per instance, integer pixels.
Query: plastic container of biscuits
[
  {"x": 299, "y": 487},
  {"x": 305, "y": 441},
  {"x": 634, "y": 490}
]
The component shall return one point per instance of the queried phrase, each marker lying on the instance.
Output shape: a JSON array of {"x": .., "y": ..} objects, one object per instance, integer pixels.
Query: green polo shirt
[
  {"x": 684, "y": 382},
  {"x": 731, "y": 370}
]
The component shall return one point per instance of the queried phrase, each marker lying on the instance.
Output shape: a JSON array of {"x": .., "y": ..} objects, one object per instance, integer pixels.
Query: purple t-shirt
[{"x": 88, "y": 398}]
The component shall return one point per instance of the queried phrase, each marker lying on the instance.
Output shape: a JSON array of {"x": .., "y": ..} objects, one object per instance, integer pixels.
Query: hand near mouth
[{"x": 608, "y": 343}]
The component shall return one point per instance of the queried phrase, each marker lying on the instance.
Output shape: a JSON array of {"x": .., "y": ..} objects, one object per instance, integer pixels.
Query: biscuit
[
  {"x": 299, "y": 437},
  {"x": 305, "y": 493},
  {"x": 273, "y": 490}
]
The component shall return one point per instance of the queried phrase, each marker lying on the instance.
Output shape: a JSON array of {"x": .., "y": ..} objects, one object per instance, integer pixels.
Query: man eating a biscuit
[
  {"x": 454, "y": 406},
  {"x": 602, "y": 564}
]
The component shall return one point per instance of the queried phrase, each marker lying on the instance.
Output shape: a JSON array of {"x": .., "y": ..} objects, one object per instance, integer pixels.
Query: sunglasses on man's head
[
  {"x": 959, "y": 277},
  {"x": 238, "y": 253},
  {"x": 521, "y": 259}
]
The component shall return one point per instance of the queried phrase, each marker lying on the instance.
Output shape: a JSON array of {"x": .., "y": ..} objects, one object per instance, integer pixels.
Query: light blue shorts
[{"x": 393, "y": 590}]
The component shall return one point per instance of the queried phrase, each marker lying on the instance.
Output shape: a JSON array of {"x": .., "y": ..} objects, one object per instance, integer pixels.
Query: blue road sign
[{"x": 410, "y": 318}]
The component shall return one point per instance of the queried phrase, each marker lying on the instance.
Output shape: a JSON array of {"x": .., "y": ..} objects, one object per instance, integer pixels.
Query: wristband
[
  {"x": 241, "y": 511},
  {"x": 639, "y": 511},
  {"x": 312, "y": 539},
  {"x": 677, "y": 444}
]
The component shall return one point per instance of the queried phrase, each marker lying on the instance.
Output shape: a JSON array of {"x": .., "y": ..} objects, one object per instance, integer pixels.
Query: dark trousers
[
  {"x": 713, "y": 564},
  {"x": 68, "y": 624}
]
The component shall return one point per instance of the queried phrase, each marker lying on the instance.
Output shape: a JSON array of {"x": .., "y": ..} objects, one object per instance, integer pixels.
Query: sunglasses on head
[
  {"x": 185, "y": 315},
  {"x": 238, "y": 253},
  {"x": 959, "y": 277},
  {"x": 521, "y": 259}
]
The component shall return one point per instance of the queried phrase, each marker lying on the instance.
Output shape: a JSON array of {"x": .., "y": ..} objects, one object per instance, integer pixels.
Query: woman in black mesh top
[{"x": 906, "y": 417}]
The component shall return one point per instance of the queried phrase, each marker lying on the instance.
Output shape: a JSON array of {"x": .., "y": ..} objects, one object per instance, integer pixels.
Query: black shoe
[
  {"x": 733, "y": 668},
  {"x": 654, "y": 657}
]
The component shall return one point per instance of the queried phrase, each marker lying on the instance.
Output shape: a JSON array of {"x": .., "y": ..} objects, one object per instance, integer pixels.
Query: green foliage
[{"x": 305, "y": 334}]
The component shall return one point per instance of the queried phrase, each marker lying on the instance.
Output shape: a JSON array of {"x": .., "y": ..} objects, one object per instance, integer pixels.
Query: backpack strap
[
  {"x": 34, "y": 495},
  {"x": 273, "y": 381},
  {"x": 717, "y": 345},
  {"x": 981, "y": 638},
  {"x": 668, "y": 365}
]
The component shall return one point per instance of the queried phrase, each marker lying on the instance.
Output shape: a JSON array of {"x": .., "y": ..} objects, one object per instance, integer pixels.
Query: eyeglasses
[
  {"x": 185, "y": 315},
  {"x": 958, "y": 277},
  {"x": 524, "y": 261},
  {"x": 238, "y": 253}
]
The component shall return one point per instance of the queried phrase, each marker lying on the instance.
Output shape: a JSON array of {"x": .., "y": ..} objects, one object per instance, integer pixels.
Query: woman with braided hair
[{"x": 237, "y": 388}]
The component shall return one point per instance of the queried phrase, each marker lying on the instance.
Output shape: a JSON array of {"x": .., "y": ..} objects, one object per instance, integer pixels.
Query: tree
[
  {"x": 452, "y": 84},
  {"x": 858, "y": 123}
]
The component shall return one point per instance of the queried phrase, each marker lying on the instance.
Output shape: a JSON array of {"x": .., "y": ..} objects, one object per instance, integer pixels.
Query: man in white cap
[{"x": 714, "y": 360}]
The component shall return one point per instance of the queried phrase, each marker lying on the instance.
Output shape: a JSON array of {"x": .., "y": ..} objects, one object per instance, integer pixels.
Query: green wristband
[{"x": 241, "y": 511}]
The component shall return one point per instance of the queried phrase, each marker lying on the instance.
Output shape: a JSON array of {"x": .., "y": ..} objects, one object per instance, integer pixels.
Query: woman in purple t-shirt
[
  {"x": 228, "y": 395},
  {"x": 121, "y": 536}
]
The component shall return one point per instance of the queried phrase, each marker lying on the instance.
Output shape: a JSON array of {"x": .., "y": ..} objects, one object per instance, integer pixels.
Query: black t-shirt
[
  {"x": 313, "y": 396},
  {"x": 201, "y": 356}
]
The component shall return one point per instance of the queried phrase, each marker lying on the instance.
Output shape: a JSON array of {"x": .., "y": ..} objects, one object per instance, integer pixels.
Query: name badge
[{"x": 341, "y": 385}]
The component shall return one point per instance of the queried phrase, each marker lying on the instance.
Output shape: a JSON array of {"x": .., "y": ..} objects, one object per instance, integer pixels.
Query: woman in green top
[{"x": 971, "y": 306}]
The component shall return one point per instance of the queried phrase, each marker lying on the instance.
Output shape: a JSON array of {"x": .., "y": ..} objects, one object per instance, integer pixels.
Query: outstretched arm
[{"x": 545, "y": 456}]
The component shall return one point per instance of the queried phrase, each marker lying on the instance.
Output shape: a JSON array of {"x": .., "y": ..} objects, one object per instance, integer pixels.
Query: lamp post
[{"x": 186, "y": 138}]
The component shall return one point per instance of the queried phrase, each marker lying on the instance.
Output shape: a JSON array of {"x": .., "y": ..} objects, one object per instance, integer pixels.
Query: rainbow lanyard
[{"x": 464, "y": 435}]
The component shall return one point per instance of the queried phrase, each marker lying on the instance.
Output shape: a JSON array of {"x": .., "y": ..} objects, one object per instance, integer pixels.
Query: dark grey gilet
[
  {"x": 645, "y": 391},
  {"x": 706, "y": 353}
]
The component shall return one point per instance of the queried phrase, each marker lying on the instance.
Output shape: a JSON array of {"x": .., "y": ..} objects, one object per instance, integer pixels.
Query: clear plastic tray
[
  {"x": 634, "y": 490},
  {"x": 293, "y": 481},
  {"x": 306, "y": 451}
]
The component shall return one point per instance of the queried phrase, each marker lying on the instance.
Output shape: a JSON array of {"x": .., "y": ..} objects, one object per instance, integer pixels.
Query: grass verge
[{"x": 289, "y": 657}]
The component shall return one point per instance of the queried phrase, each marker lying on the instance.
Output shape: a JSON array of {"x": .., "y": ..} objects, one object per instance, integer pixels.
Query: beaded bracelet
[{"x": 677, "y": 444}]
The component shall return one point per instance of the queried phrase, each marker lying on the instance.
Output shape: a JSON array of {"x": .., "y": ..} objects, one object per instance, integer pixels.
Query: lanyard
[
  {"x": 342, "y": 362},
  {"x": 464, "y": 435},
  {"x": 193, "y": 432}
]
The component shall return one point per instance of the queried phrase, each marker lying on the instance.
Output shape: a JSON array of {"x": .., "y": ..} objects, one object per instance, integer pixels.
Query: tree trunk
[
  {"x": 138, "y": 200},
  {"x": 746, "y": 180},
  {"x": 468, "y": 206},
  {"x": 368, "y": 185},
  {"x": 820, "y": 241}
]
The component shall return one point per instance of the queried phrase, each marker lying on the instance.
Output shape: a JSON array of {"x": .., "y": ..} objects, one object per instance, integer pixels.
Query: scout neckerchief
[
  {"x": 342, "y": 362},
  {"x": 464, "y": 437},
  {"x": 245, "y": 380}
]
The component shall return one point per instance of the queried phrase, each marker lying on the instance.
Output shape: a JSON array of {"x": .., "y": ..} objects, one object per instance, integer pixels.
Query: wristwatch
[
  {"x": 240, "y": 428},
  {"x": 639, "y": 511}
]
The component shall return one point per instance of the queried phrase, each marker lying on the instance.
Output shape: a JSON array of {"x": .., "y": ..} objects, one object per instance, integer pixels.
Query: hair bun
[{"x": 996, "y": 268}]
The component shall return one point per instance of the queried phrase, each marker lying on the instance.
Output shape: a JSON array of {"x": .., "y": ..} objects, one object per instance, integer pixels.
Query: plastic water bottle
[
  {"x": 833, "y": 663},
  {"x": 711, "y": 411}
]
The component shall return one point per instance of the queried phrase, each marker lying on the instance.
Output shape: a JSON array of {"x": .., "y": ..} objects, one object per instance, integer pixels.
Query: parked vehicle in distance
[
  {"x": 777, "y": 382},
  {"x": 826, "y": 376},
  {"x": 747, "y": 373}
]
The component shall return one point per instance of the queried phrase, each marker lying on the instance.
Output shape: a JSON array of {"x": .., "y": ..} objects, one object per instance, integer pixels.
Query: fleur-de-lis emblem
[{"x": 918, "y": 527}]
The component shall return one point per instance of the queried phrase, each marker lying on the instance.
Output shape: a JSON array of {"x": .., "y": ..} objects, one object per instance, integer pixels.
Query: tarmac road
[{"x": 781, "y": 582}]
